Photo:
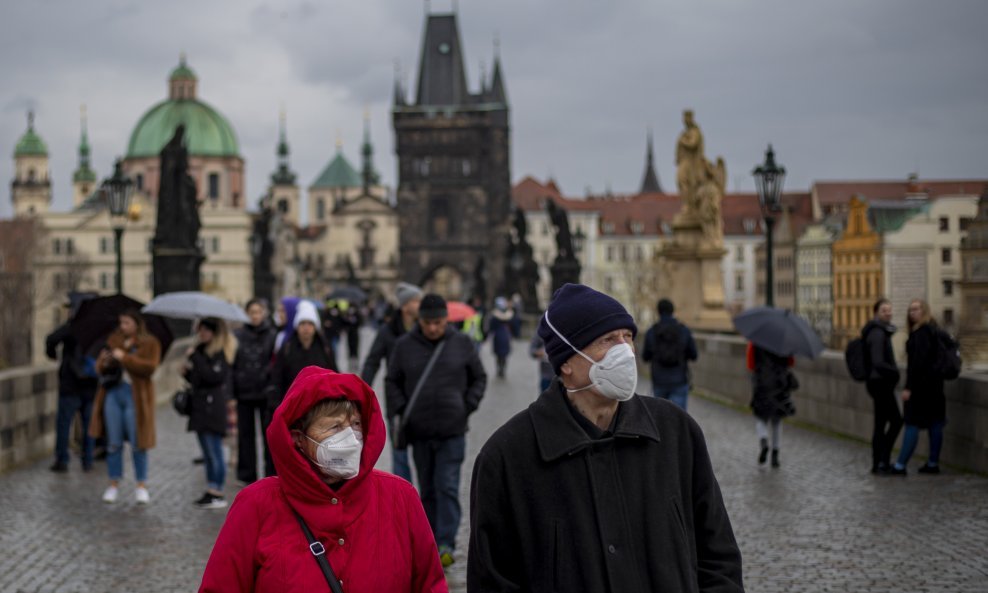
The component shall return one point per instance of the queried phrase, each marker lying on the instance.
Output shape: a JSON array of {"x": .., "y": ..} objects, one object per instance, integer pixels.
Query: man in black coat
[
  {"x": 435, "y": 413},
  {"x": 408, "y": 296},
  {"x": 669, "y": 346},
  {"x": 76, "y": 388},
  {"x": 882, "y": 380},
  {"x": 251, "y": 373},
  {"x": 593, "y": 488}
]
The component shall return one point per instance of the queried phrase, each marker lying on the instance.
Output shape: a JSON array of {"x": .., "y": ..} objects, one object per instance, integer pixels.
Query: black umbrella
[
  {"x": 779, "y": 331},
  {"x": 349, "y": 293},
  {"x": 97, "y": 318}
]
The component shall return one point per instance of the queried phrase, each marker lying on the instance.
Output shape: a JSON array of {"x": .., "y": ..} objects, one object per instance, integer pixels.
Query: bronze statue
[
  {"x": 178, "y": 207},
  {"x": 564, "y": 241}
]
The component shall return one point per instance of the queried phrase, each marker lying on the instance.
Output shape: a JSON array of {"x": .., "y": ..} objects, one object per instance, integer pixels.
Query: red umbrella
[{"x": 459, "y": 311}]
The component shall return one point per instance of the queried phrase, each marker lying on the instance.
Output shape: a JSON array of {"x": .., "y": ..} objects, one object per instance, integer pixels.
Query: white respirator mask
[
  {"x": 338, "y": 456},
  {"x": 615, "y": 376}
]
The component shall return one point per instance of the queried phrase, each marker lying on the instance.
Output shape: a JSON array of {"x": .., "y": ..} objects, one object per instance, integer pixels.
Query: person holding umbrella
[
  {"x": 124, "y": 404},
  {"x": 209, "y": 373},
  {"x": 775, "y": 336}
]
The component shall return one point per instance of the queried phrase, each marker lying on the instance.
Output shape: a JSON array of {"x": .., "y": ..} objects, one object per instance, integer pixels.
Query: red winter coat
[{"x": 376, "y": 535}]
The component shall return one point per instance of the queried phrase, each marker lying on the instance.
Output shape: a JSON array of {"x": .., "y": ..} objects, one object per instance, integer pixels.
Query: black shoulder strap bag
[
  {"x": 398, "y": 439},
  {"x": 319, "y": 551}
]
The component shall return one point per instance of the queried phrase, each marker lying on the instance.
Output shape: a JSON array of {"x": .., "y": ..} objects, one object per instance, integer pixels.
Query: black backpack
[
  {"x": 669, "y": 347},
  {"x": 948, "y": 359},
  {"x": 856, "y": 358}
]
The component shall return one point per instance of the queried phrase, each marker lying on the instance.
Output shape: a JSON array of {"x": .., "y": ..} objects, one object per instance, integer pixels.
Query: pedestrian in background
[
  {"x": 305, "y": 347},
  {"x": 370, "y": 527},
  {"x": 771, "y": 399},
  {"x": 592, "y": 489},
  {"x": 76, "y": 388},
  {"x": 125, "y": 402},
  {"x": 536, "y": 349},
  {"x": 882, "y": 380},
  {"x": 435, "y": 381},
  {"x": 251, "y": 373},
  {"x": 924, "y": 403},
  {"x": 669, "y": 346},
  {"x": 209, "y": 372},
  {"x": 499, "y": 328},
  {"x": 408, "y": 297}
]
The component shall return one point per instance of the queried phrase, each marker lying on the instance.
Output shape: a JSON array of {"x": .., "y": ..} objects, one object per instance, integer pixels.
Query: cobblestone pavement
[{"x": 819, "y": 523}]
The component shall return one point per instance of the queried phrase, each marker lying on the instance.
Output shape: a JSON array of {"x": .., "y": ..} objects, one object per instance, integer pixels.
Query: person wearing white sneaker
[
  {"x": 142, "y": 496},
  {"x": 124, "y": 405}
]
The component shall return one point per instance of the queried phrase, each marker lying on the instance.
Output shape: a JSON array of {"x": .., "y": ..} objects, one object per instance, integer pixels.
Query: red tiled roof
[{"x": 829, "y": 193}]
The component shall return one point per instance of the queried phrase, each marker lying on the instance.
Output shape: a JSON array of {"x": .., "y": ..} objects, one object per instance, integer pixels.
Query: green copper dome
[
  {"x": 207, "y": 133},
  {"x": 338, "y": 173},
  {"x": 182, "y": 71},
  {"x": 30, "y": 143}
]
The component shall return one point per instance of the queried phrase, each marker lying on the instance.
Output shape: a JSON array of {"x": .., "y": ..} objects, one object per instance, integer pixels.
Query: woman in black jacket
[
  {"x": 771, "y": 398},
  {"x": 924, "y": 403},
  {"x": 209, "y": 373}
]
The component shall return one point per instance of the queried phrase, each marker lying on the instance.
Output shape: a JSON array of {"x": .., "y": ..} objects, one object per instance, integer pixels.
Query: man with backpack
[
  {"x": 883, "y": 377},
  {"x": 669, "y": 346}
]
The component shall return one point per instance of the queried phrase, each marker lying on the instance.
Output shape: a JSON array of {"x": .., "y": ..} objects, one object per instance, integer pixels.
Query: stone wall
[
  {"x": 829, "y": 399},
  {"x": 29, "y": 403}
]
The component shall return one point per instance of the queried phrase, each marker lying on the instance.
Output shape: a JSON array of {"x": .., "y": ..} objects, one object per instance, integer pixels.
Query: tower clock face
[{"x": 444, "y": 48}]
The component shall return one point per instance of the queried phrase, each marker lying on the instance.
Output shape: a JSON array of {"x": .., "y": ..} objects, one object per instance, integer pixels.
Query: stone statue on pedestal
[
  {"x": 522, "y": 273},
  {"x": 566, "y": 268},
  {"x": 701, "y": 184},
  {"x": 177, "y": 255}
]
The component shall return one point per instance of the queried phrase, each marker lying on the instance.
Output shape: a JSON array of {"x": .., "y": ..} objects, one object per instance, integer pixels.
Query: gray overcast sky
[{"x": 844, "y": 89}]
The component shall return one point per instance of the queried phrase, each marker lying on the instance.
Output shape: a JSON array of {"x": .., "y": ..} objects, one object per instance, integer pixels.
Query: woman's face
[
  {"x": 306, "y": 330},
  {"x": 915, "y": 312},
  {"x": 127, "y": 325},
  {"x": 325, "y": 427},
  {"x": 204, "y": 334},
  {"x": 256, "y": 312}
]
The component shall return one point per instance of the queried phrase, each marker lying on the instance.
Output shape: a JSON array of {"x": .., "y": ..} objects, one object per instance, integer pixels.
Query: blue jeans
[
  {"x": 212, "y": 455},
  {"x": 121, "y": 422},
  {"x": 675, "y": 393},
  {"x": 68, "y": 406},
  {"x": 438, "y": 462},
  {"x": 399, "y": 464},
  {"x": 910, "y": 438}
]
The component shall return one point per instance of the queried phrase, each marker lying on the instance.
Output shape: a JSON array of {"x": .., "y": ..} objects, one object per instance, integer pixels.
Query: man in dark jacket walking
[
  {"x": 408, "y": 297},
  {"x": 882, "y": 380},
  {"x": 76, "y": 388},
  {"x": 592, "y": 489},
  {"x": 251, "y": 373},
  {"x": 435, "y": 413},
  {"x": 669, "y": 346}
]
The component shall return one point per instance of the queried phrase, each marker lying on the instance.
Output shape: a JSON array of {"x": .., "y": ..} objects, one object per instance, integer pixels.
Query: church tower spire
[
  {"x": 650, "y": 181},
  {"x": 368, "y": 175},
  {"x": 30, "y": 191},
  {"x": 84, "y": 178},
  {"x": 283, "y": 175}
]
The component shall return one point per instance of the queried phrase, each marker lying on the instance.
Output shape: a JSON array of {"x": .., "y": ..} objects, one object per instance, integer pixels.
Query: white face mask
[
  {"x": 615, "y": 376},
  {"x": 338, "y": 456}
]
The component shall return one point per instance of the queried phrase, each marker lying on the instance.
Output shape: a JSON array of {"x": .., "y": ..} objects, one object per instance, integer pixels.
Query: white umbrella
[{"x": 194, "y": 305}]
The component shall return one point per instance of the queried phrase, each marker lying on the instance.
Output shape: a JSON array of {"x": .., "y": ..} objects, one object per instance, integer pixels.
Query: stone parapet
[{"x": 829, "y": 399}]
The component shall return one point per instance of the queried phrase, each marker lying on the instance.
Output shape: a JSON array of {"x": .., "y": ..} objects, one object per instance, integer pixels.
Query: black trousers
[
  {"x": 888, "y": 420},
  {"x": 249, "y": 413}
]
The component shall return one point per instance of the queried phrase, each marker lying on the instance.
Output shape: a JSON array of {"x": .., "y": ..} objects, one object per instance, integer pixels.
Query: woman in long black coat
[
  {"x": 771, "y": 398},
  {"x": 209, "y": 372},
  {"x": 923, "y": 398}
]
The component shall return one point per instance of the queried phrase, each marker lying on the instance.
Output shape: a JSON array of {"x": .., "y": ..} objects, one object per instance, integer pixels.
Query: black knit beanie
[
  {"x": 582, "y": 315},
  {"x": 432, "y": 306}
]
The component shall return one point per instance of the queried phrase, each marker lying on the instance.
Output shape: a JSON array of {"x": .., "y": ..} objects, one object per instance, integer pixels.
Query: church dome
[
  {"x": 30, "y": 143},
  {"x": 207, "y": 132}
]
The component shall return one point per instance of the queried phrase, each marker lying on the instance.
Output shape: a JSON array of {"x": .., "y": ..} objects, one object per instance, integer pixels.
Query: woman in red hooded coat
[{"x": 372, "y": 524}]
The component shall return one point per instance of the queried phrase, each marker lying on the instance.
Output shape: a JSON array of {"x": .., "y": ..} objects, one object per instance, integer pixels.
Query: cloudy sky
[{"x": 844, "y": 89}]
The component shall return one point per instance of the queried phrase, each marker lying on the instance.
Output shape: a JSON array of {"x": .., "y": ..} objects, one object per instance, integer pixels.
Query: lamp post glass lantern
[
  {"x": 117, "y": 191},
  {"x": 768, "y": 180}
]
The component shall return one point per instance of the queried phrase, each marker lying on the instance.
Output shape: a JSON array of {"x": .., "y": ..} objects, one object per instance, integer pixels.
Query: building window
[
  {"x": 948, "y": 288},
  {"x": 105, "y": 281},
  {"x": 944, "y": 224},
  {"x": 139, "y": 181},
  {"x": 56, "y": 246},
  {"x": 945, "y": 255},
  {"x": 739, "y": 254},
  {"x": 283, "y": 206},
  {"x": 320, "y": 209},
  {"x": 610, "y": 253},
  {"x": 608, "y": 284},
  {"x": 965, "y": 223},
  {"x": 214, "y": 186},
  {"x": 948, "y": 316},
  {"x": 739, "y": 282},
  {"x": 104, "y": 245},
  {"x": 467, "y": 167},
  {"x": 215, "y": 244}
]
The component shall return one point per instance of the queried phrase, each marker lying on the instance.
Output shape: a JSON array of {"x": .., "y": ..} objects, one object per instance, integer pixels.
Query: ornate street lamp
[
  {"x": 768, "y": 180},
  {"x": 117, "y": 191}
]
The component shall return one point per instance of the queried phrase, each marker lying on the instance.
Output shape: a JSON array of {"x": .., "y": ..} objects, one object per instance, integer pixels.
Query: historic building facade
[
  {"x": 973, "y": 328},
  {"x": 857, "y": 267},
  {"x": 814, "y": 277},
  {"x": 454, "y": 178}
]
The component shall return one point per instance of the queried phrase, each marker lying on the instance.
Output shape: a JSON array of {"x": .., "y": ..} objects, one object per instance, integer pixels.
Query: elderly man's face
[
  {"x": 576, "y": 370},
  {"x": 433, "y": 329}
]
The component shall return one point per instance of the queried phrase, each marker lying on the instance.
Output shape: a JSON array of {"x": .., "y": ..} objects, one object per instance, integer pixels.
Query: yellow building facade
[{"x": 857, "y": 270}]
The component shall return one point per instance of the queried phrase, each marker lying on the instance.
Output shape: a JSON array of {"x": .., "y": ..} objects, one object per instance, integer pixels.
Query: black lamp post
[
  {"x": 117, "y": 191},
  {"x": 768, "y": 179}
]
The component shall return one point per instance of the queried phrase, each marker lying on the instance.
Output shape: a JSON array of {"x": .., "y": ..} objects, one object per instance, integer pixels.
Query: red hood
[{"x": 301, "y": 483}]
